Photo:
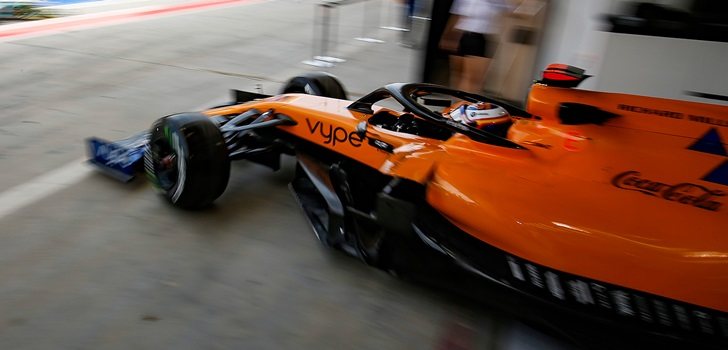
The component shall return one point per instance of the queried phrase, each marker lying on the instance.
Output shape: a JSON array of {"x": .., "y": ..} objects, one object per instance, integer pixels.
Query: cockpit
[{"x": 437, "y": 112}]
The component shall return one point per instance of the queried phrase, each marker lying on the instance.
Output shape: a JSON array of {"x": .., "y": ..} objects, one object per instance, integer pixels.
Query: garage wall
[{"x": 573, "y": 34}]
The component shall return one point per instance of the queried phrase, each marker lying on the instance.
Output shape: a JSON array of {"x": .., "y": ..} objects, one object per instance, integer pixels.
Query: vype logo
[
  {"x": 683, "y": 193},
  {"x": 333, "y": 135}
]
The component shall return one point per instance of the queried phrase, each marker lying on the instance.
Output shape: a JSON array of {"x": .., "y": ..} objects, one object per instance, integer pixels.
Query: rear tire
[
  {"x": 187, "y": 160},
  {"x": 316, "y": 83}
]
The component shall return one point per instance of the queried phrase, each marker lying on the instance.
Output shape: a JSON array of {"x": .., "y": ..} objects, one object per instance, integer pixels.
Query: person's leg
[
  {"x": 474, "y": 70},
  {"x": 474, "y": 62},
  {"x": 456, "y": 62},
  {"x": 456, "y": 71}
]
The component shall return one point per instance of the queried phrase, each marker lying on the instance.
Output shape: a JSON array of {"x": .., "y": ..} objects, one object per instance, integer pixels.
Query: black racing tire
[
  {"x": 187, "y": 160},
  {"x": 316, "y": 83}
]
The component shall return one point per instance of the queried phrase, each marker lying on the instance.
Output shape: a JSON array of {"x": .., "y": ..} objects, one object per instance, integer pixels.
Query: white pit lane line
[
  {"x": 20, "y": 196},
  {"x": 42, "y": 186},
  {"x": 25, "y": 194}
]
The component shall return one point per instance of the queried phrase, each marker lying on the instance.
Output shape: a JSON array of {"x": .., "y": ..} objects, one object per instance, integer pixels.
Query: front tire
[
  {"x": 187, "y": 160},
  {"x": 316, "y": 83}
]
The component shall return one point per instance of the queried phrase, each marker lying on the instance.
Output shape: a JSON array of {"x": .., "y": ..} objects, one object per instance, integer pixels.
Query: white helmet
[{"x": 482, "y": 115}]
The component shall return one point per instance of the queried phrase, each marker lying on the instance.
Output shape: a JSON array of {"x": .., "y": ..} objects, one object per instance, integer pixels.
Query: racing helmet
[{"x": 483, "y": 115}]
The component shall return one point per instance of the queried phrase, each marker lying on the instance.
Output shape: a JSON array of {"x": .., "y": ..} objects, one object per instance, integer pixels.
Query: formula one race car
[{"x": 608, "y": 207}]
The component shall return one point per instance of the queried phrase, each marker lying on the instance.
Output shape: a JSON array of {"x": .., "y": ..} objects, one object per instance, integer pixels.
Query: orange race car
[{"x": 608, "y": 207}]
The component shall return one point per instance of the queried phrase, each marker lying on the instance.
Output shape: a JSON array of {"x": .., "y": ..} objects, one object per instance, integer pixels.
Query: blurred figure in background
[
  {"x": 471, "y": 38},
  {"x": 411, "y": 5}
]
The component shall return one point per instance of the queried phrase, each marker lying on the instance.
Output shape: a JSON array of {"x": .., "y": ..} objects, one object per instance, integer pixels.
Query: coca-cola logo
[{"x": 683, "y": 193}]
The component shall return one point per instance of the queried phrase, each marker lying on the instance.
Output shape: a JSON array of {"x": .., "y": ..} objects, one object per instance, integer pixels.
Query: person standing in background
[{"x": 471, "y": 39}]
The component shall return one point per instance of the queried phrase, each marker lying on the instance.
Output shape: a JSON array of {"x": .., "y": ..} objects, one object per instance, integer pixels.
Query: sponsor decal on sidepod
[{"x": 683, "y": 193}]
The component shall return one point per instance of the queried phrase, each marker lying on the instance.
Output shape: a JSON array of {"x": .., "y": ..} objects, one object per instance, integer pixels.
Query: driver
[{"x": 482, "y": 115}]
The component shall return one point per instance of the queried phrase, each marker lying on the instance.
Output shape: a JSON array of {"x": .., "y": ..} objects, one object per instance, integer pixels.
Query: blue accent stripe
[
  {"x": 719, "y": 175},
  {"x": 710, "y": 143}
]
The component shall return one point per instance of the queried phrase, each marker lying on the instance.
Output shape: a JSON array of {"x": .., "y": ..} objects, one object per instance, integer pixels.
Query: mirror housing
[
  {"x": 361, "y": 129},
  {"x": 562, "y": 75}
]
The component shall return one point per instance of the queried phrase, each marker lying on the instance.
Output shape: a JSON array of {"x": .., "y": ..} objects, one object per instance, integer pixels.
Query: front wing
[{"x": 118, "y": 159}]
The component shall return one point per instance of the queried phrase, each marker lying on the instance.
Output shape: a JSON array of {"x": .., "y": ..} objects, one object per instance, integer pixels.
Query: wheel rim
[{"x": 165, "y": 164}]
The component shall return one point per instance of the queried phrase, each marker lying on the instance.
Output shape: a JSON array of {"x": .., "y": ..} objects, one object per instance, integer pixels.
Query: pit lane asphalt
[{"x": 103, "y": 265}]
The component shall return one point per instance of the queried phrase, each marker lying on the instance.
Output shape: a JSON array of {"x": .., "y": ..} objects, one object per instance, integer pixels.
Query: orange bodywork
[{"x": 638, "y": 201}]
